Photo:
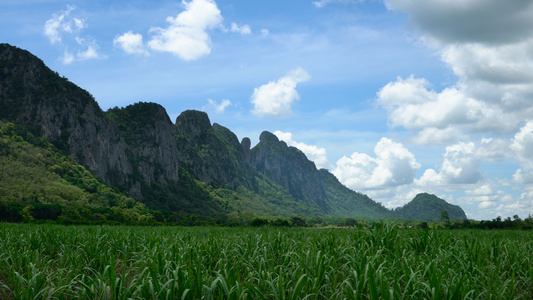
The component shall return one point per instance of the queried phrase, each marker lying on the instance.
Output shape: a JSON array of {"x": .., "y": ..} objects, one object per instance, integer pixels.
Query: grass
[{"x": 120, "y": 262}]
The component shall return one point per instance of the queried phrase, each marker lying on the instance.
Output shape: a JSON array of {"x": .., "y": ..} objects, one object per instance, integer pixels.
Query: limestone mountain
[
  {"x": 152, "y": 149},
  {"x": 289, "y": 168},
  {"x": 211, "y": 153},
  {"x": 189, "y": 167},
  {"x": 34, "y": 96}
]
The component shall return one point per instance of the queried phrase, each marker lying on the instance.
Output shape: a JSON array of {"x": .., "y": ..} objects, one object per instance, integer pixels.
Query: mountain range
[{"x": 189, "y": 167}]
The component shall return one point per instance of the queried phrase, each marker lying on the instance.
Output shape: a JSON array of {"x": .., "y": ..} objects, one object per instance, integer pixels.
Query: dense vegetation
[
  {"x": 384, "y": 262},
  {"x": 37, "y": 183},
  {"x": 40, "y": 184},
  {"x": 429, "y": 207}
]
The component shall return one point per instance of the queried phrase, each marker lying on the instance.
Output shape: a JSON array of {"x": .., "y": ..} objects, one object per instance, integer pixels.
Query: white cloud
[
  {"x": 460, "y": 166},
  {"x": 68, "y": 58},
  {"x": 432, "y": 135},
  {"x": 218, "y": 108},
  {"x": 487, "y": 44},
  {"x": 393, "y": 166},
  {"x": 89, "y": 53},
  {"x": 60, "y": 23},
  {"x": 244, "y": 29},
  {"x": 275, "y": 98},
  {"x": 490, "y": 201},
  {"x": 87, "y": 50},
  {"x": 131, "y": 43},
  {"x": 522, "y": 146},
  {"x": 494, "y": 149},
  {"x": 186, "y": 36},
  {"x": 411, "y": 104},
  {"x": 322, "y": 3},
  {"x": 313, "y": 153}
]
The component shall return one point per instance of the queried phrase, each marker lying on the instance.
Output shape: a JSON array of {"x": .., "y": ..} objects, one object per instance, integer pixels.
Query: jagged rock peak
[
  {"x": 226, "y": 134},
  {"x": 147, "y": 110},
  {"x": 268, "y": 137},
  {"x": 194, "y": 121},
  {"x": 246, "y": 144}
]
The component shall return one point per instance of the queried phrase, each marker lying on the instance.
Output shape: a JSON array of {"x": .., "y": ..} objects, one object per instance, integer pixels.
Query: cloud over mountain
[
  {"x": 186, "y": 36},
  {"x": 62, "y": 24},
  {"x": 131, "y": 43},
  {"x": 275, "y": 99},
  {"x": 313, "y": 153},
  {"x": 393, "y": 166}
]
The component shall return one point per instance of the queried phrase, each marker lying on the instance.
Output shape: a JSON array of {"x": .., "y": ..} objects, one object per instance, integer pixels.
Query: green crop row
[{"x": 121, "y": 262}]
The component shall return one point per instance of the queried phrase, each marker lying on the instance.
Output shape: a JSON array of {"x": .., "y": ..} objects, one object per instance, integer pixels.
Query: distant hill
[
  {"x": 429, "y": 207},
  {"x": 187, "y": 167}
]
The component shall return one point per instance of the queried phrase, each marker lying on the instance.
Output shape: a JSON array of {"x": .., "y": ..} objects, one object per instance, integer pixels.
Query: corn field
[{"x": 120, "y": 262}]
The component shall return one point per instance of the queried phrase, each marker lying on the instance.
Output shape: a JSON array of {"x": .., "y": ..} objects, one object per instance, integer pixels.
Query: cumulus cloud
[
  {"x": 412, "y": 104},
  {"x": 242, "y": 29},
  {"x": 522, "y": 146},
  {"x": 461, "y": 165},
  {"x": 275, "y": 98},
  {"x": 432, "y": 135},
  {"x": 186, "y": 36},
  {"x": 393, "y": 166},
  {"x": 131, "y": 43},
  {"x": 487, "y": 44},
  {"x": 313, "y": 153},
  {"x": 219, "y": 108},
  {"x": 490, "y": 201},
  {"x": 61, "y": 23},
  {"x": 494, "y": 149}
]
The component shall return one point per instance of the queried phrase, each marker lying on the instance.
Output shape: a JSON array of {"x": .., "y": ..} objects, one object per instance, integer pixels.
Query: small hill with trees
[{"x": 427, "y": 207}]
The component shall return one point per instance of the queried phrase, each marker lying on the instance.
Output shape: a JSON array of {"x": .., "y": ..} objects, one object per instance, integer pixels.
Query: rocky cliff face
[
  {"x": 152, "y": 149},
  {"x": 212, "y": 154},
  {"x": 290, "y": 168},
  {"x": 34, "y": 96},
  {"x": 143, "y": 150}
]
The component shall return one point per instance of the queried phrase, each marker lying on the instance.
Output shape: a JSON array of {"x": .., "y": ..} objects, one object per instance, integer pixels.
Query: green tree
[
  {"x": 298, "y": 222},
  {"x": 445, "y": 216},
  {"x": 351, "y": 222}
]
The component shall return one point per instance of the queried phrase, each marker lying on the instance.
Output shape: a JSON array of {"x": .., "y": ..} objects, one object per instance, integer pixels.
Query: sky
[{"x": 394, "y": 97}]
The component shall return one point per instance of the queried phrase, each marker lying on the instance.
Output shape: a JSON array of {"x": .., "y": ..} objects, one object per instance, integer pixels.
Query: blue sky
[{"x": 394, "y": 97}]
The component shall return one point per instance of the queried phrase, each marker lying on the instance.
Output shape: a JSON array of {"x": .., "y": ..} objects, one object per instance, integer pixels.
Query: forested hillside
[{"x": 37, "y": 182}]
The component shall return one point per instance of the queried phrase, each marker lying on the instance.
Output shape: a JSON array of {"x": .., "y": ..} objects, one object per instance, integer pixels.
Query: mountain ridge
[{"x": 190, "y": 166}]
